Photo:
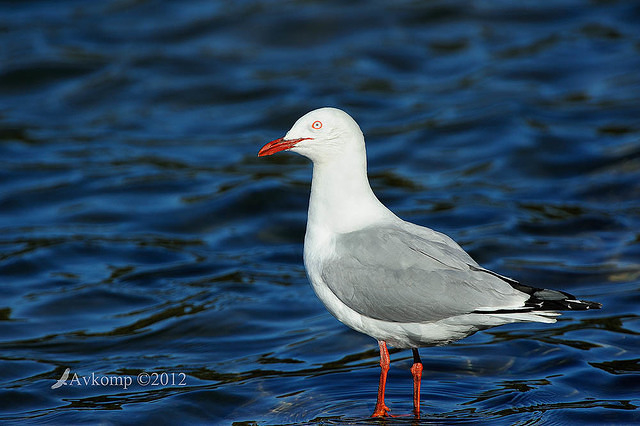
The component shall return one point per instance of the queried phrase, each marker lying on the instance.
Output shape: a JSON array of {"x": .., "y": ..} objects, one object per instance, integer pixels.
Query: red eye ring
[{"x": 317, "y": 125}]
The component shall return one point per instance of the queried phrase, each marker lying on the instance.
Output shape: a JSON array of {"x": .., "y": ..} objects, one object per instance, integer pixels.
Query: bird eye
[{"x": 317, "y": 125}]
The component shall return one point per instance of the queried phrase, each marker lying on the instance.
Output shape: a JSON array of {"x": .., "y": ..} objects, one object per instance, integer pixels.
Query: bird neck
[{"x": 341, "y": 197}]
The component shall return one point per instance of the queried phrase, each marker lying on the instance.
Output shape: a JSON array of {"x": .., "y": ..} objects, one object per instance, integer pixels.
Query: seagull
[{"x": 402, "y": 284}]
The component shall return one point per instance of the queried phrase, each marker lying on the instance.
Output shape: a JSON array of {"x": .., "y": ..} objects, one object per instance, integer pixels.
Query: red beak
[{"x": 278, "y": 145}]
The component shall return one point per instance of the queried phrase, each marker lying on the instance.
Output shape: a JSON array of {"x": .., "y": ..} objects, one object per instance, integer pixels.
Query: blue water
[{"x": 142, "y": 239}]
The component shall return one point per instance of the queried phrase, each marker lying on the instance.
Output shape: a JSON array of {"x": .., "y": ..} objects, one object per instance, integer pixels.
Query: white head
[
  {"x": 341, "y": 198},
  {"x": 324, "y": 134}
]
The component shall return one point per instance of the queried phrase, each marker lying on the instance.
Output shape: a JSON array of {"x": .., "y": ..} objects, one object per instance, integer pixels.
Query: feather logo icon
[{"x": 63, "y": 380}]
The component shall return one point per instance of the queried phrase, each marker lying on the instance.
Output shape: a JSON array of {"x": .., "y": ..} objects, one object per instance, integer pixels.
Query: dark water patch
[{"x": 34, "y": 76}]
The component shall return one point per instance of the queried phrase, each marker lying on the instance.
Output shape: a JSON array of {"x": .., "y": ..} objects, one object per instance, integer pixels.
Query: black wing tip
[
  {"x": 582, "y": 305},
  {"x": 542, "y": 299},
  {"x": 567, "y": 304}
]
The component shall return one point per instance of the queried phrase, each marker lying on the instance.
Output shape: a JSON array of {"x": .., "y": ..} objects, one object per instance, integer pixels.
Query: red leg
[
  {"x": 381, "y": 409},
  {"x": 416, "y": 372}
]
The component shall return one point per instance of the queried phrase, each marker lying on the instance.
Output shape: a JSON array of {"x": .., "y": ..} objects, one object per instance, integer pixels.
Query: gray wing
[{"x": 390, "y": 274}]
